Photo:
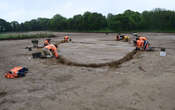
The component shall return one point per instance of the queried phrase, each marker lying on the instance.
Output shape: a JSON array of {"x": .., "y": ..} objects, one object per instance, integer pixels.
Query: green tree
[
  {"x": 77, "y": 23},
  {"x": 15, "y": 26},
  {"x": 58, "y": 22},
  {"x": 4, "y": 26},
  {"x": 43, "y": 23},
  {"x": 94, "y": 21}
]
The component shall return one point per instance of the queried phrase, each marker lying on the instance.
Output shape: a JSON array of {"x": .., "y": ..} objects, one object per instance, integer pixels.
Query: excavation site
[{"x": 93, "y": 71}]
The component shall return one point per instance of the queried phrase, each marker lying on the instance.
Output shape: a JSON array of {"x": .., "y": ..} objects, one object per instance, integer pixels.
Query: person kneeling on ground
[
  {"x": 126, "y": 38},
  {"x": 49, "y": 51},
  {"x": 146, "y": 43},
  {"x": 119, "y": 37}
]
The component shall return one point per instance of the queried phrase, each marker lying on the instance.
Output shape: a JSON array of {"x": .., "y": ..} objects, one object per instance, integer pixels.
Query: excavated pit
[{"x": 95, "y": 53}]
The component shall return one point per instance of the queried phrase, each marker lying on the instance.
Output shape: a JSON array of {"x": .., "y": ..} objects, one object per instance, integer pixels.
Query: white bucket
[{"x": 162, "y": 53}]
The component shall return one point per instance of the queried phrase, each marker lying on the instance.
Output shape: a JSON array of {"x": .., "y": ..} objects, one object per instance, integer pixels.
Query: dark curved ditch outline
[{"x": 126, "y": 58}]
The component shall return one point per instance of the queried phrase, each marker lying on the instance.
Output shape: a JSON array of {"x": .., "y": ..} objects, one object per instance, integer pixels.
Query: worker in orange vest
[
  {"x": 50, "y": 50},
  {"x": 16, "y": 72},
  {"x": 146, "y": 42},
  {"x": 139, "y": 44}
]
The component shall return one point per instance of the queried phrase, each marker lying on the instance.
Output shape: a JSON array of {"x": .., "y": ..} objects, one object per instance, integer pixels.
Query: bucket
[
  {"x": 162, "y": 52},
  {"x": 35, "y": 43}
]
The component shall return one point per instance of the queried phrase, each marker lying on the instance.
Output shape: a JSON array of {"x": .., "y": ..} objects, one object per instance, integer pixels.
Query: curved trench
[{"x": 126, "y": 58}]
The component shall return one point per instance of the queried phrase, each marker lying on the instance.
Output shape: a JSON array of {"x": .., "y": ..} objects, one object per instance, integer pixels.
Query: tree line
[{"x": 156, "y": 19}]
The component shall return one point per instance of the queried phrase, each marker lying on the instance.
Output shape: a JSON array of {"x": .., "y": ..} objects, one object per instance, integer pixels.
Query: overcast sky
[{"x": 24, "y": 10}]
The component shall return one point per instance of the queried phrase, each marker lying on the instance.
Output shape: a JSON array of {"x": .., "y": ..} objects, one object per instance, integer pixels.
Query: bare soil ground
[
  {"x": 95, "y": 51},
  {"x": 144, "y": 83}
]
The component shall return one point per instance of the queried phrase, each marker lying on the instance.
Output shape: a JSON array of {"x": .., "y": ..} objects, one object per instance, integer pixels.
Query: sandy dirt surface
[
  {"x": 95, "y": 51},
  {"x": 144, "y": 83}
]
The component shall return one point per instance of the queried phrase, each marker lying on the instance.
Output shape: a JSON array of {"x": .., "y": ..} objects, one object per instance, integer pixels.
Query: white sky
[{"x": 24, "y": 10}]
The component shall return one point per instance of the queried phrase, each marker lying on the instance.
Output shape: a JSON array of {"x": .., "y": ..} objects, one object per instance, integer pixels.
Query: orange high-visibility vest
[
  {"x": 53, "y": 48},
  {"x": 140, "y": 43},
  {"x": 9, "y": 76},
  {"x": 13, "y": 72}
]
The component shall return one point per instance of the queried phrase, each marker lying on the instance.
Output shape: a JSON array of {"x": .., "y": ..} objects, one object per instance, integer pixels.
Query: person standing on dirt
[{"x": 50, "y": 50}]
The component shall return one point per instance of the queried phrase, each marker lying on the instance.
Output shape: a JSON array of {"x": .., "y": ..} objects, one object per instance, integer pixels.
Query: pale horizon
[{"x": 22, "y": 10}]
